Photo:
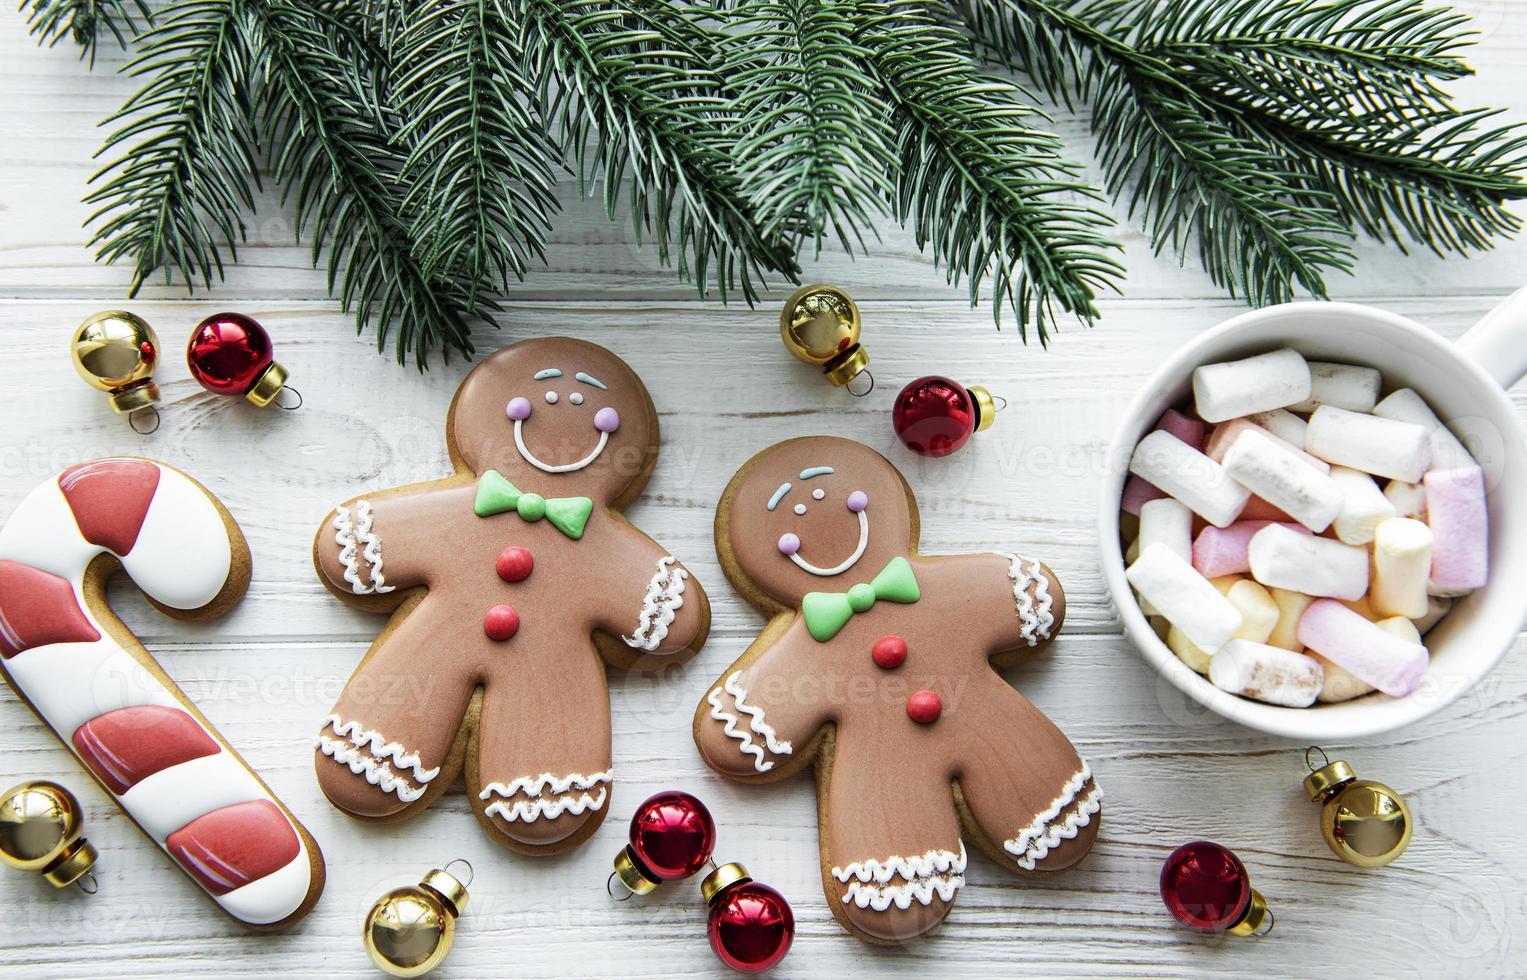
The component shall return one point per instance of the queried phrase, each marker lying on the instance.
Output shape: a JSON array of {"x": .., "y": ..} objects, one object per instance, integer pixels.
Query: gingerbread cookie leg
[
  {"x": 892, "y": 858},
  {"x": 1026, "y": 792},
  {"x": 540, "y": 779},
  {"x": 386, "y": 743}
]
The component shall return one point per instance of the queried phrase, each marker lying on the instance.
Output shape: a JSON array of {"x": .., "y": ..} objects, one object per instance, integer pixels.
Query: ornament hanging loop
[
  {"x": 466, "y": 879},
  {"x": 1325, "y": 760},
  {"x": 281, "y": 403},
  {"x": 868, "y": 387},
  {"x": 623, "y": 895},
  {"x": 151, "y": 415},
  {"x": 1000, "y": 402},
  {"x": 88, "y": 884}
]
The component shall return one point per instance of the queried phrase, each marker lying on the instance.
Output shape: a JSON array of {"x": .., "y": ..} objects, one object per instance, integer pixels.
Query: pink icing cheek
[
  {"x": 518, "y": 409},
  {"x": 789, "y": 544},
  {"x": 607, "y": 419},
  {"x": 858, "y": 500}
]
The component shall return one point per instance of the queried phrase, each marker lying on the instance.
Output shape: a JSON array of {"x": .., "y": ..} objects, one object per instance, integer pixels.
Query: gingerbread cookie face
[
  {"x": 512, "y": 584},
  {"x": 556, "y": 411},
  {"x": 878, "y": 669}
]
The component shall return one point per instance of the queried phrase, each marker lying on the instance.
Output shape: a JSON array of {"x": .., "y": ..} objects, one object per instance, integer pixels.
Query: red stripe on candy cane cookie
[
  {"x": 110, "y": 499},
  {"x": 235, "y": 845},
  {"x": 38, "y": 608},
  {"x": 126, "y": 746}
]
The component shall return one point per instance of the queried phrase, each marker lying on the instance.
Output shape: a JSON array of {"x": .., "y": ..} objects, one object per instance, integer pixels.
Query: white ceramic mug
[{"x": 1465, "y": 384}]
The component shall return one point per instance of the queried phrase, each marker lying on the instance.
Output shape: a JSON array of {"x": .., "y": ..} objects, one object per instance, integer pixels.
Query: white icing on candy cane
[
  {"x": 1035, "y": 614},
  {"x": 1043, "y": 834},
  {"x": 871, "y": 883},
  {"x": 665, "y": 594},
  {"x": 91, "y": 690},
  {"x": 533, "y": 787},
  {"x": 357, "y": 542},
  {"x": 756, "y": 722}
]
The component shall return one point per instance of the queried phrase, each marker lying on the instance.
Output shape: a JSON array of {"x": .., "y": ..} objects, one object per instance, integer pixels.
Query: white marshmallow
[
  {"x": 1184, "y": 597},
  {"x": 1363, "y": 505},
  {"x": 1190, "y": 477},
  {"x": 1284, "y": 559},
  {"x": 1168, "y": 522},
  {"x": 1255, "y": 384},
  {"x": 1266, "y": 673},
  {"x": 1281, "y": 423},
  {"x": 1344, "y": 385},
  {"x": 1404, "y": 405},
  {"x": 1408, "y": 499},
  {"x": 1383, "y": 447},
  {"x": 1291, "y": 605},
  {"x": 1402, "y": 563},
  {"x": 1271, "y": 469}
]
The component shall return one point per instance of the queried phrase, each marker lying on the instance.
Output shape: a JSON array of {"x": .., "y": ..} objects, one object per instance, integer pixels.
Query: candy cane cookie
[{"x": 92, "y": 682}]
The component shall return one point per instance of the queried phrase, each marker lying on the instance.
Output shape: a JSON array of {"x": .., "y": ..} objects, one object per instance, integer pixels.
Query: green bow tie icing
[
  {"x": 496, "y": 495},
  {"x": 828, "y": 612}
]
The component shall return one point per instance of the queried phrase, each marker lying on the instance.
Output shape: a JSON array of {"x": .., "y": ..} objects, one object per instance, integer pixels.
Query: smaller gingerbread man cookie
[{"x": 877, "y": 667}]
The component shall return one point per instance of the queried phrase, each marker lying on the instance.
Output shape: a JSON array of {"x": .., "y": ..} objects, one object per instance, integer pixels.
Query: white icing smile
[
  {"x": 847, "y": 563},
  {"x": 530, "y": 457}
]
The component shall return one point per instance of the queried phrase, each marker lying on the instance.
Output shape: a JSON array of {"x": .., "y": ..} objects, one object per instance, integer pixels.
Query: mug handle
[{"x": 1498, "y": 342}]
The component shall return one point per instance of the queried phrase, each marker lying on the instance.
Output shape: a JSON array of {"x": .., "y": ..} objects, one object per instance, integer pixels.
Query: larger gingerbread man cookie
[
  {"x": 877, "y": 667},
  {"x": 512, "y": 584}
]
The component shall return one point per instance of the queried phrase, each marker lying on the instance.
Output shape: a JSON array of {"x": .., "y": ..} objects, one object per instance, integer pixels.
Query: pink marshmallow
[
  {"x": 1460, "y": 523},
  {"x": 1258, "y": 509},
  {"x": 1225, "y": 434},
  {"x": 1382, "y": 659},
  {"x": 1223, "y": 550},
  {"x": 1138, "y": 491}
]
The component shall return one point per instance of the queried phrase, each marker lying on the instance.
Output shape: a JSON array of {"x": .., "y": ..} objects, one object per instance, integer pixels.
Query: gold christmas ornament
[
  {"x": 116, "y": 352},
  {"x": 40, "y": 825},
  {"x": 409, "y": 931},
  {"x": 1365, "y": 823},
  {"x": 820, "y": 325}
]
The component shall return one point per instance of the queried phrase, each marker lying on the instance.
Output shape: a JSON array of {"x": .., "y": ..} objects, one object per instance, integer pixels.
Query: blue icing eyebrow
[
  {"x": 548, "y": 373},
  {"x": 779, "y": 495},
  {"x": 590, "y": 380},
  {"x": 812, "y": 471}
]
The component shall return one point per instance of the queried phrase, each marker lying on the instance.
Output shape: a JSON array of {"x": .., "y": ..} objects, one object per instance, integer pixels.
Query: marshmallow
[
  {"x": 1281, "y": 423},
  {"x": 1221, "y": 551},
  {"x": 1456, "y": 511},
  {"x": 1137, "y": 493},
  {"x": 1383, "y": 447},
  {"x": 1255, "y": 384},
  {"x": 1257, "y": 509},
  {"x": 1272, "y": 469},
  {"x": 1184, "y": 597},
  {"x": 1316, "y": 566},
  {"x": 1363, "y": 608},
  {"x": 1291, "y": 605},
  {"x": 1187, "y": 651},
  {"x": 1189, "y": 476},
  {"x": 1224, "y": 582},
  {"x": 1168, "y": 522},
  {"x": 1340, "y": 683},
  {"x": 1436, "y": 607},
  {"x": 1391, "y": 664},
  {"x": 1408, "y": 499},
  {"x": 1226, "y": 433},
  {"x": 1190, "y": 431},
  {"x": 1363, "y": 505},
  {"x": 1405, "y": 405},
  {"x": 1259, "y": 613},
  {"x": 1270, "y": 674},
  {"x": 1344, "y": 385},
  {"x": 1402, "y": 561}
]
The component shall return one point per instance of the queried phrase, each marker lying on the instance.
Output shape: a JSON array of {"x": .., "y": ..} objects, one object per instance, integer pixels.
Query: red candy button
[
  {"x": 502, "y": 622},
  {"x": 515, "y": 564},
  {"x": 924, "y": 707},
  {"x": 889, "y": 652}
]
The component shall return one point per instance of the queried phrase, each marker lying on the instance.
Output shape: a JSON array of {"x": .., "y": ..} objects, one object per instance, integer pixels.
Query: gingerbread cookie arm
[
  {"x": 379, "y": 546},
  {"x": 106, "y": 698},
  {"x": 647, "y": 599},
  {"x": 758, "y": 721}
]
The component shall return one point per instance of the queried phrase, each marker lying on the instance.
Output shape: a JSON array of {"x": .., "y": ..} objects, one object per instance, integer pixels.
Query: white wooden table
[{"x": 1457, "y": 902}]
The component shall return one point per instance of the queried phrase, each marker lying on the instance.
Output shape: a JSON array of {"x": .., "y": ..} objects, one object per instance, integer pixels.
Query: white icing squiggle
[
  {"x": 533, "y": 809},
  {"x": 357, "y": 542},
  {"x": 756, "y": 722},
  {"x": 938, "y": 872},
  {"x": 378, "y": 774},
  {"x": 1036, "y": 840},
  {"x": 928, "y": 864},
  {"x": 1034, "y": 613},
  {"x": 880, "y": 897},
  {"x": 665, "y": 594},
  {"x": 363, "y": 737}
]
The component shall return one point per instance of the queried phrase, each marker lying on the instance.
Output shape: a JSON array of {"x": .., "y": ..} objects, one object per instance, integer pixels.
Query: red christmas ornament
[
  {"x": 750, "y": 924},
  {"x": 515, "y": 564},
  {"x": 934, "y": 416},
  {"x": 230, "y": 354},
  {"x": 1205, "y": 886},
  {"x": 672, "y": 837},
  {"x": 501, "y": 623}
]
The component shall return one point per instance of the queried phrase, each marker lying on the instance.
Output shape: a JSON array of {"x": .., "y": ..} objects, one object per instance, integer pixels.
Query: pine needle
[{"x": 85, "y": 21}]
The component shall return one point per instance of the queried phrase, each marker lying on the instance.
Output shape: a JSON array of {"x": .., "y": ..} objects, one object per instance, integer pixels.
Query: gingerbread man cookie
[
  {"x": 509, "y": 583},
  {"x": 877, "y": 666}
]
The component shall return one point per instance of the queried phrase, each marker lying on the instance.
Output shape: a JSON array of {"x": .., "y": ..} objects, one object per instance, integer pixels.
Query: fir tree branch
[
  {"x": 814, "y": 143},
  {"x": 174, "y": 197},
  {"x": 83, "y": 21},
  {"x": 656, "y": 108},
  {"x": 987, "y": 192},
  {"x": 481, "y": 170}
]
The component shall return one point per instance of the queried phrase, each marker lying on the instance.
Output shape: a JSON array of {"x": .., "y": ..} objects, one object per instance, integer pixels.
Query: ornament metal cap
[
  {"x": 134, "y": 399},
  {"x": 986, "y": 407},
  {"x": 629, "y": 872},
  {"x": 721, "y": 879},
  {"x": 1258, "y": 920},
  {"x": 1328, "y": 779},
  {"x": 451, "y": 890},
  {"x": 267, "y": 386}
]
